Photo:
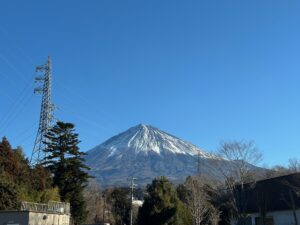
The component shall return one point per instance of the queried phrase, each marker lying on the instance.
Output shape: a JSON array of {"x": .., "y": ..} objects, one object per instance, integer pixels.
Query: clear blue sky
[{"x": 202, "y": 70}]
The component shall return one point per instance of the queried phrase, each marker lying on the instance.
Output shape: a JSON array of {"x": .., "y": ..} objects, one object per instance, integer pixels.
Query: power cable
[
  {"x": 15, "y": 105},
  {"x": 18, "y": 111}
]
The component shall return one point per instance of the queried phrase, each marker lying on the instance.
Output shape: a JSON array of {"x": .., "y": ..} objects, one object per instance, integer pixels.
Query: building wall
[
  {"x": 33, "y": 218},
  {"x": 11, "y": 217},
  {"x": 287, "y": 216},
  {"x": 36, "y": 218},
  {"x": 280, "y": 217}
]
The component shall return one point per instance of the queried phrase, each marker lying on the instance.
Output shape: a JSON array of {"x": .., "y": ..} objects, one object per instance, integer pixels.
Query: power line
[
  {"x": 27, "y": 138},
  {"x": 22, "y": 99},
  {"x": 22, "y": 96},
  {"x": 20, "y": 135},
  {"x": 17, "y": 113},
  {"x": 12, "y": 67},
  {"x": 8, "y": 81},
  {"x": 21, "y": 52},
  {"x": 70, "y": 92}
]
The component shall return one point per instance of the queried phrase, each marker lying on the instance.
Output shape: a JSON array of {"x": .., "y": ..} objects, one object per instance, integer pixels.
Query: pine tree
[
  {"x": 162, "y": 206},
  {"x": 65, "y": 161}
]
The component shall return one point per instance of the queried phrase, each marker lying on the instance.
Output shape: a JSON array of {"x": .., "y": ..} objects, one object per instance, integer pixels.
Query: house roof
[{"x": 273, "y": 194}]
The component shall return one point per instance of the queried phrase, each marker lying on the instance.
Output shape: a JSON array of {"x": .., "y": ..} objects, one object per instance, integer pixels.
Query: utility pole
[
  {"x": 44, "y": 79},
  {"x": 104, "y": 208},
  {"x": 131, "y": 207},
  {"x": 199, "y": 164}
]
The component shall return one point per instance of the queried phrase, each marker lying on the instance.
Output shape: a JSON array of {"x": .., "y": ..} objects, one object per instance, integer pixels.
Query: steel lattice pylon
[{"x": 46, "y": 117}]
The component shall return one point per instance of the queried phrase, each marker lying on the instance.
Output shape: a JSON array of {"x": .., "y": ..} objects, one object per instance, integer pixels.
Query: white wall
[
  {"x": 51, "y": 219},
  {"x": 280, "y": 217}
]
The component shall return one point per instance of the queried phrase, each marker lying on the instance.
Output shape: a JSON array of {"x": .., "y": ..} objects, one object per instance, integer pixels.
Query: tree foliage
[
  {"x": 9, "y": 198},
  {"x": 21, "y": 182},
  {"x": 119, "y": 198},
  {"x": 65, "y": 161},
  {"x": 162, "y": 206}
]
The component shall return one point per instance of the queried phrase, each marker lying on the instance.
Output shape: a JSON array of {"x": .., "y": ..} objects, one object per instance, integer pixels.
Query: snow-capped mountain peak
[
  {"x": 146, "y": 138},
  {"x": 145, "y": 152}
]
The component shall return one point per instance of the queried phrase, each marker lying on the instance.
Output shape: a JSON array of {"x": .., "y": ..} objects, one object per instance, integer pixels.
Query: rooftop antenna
[{"x": 44, "y": 88}]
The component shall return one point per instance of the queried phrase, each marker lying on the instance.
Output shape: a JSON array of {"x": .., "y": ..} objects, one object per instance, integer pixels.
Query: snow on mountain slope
[
  {"x": 146, "y": 152},
  {"x": 145, "y": 138}
]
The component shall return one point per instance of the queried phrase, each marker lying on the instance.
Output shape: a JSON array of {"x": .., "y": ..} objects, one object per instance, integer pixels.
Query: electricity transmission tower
[{"x": 46, "y": 117}]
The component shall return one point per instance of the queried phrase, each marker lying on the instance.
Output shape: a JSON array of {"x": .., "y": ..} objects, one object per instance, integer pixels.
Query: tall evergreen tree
[
  {"x": 120, "y": 201},
  {"x": 65, "y": 161},
  {"x": 162, "y": 206},
  {"x": 7, "y": 158}
]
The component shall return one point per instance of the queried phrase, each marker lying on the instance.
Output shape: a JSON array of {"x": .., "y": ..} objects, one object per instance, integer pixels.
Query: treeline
[
  {"x": 200, "y": 199},
  {"x": 60, "y": 176},
  {"x": 197, "y": 201},
  {"x": 63, "y": 176},
  {"x": 21, "y": 182}
]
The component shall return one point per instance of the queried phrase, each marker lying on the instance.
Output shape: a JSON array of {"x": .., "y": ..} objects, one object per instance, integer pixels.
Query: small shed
[{"x": 53, "y": 213}]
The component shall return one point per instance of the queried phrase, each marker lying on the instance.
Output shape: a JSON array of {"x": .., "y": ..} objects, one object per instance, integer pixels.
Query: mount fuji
[{"x": 146, "y": 152}]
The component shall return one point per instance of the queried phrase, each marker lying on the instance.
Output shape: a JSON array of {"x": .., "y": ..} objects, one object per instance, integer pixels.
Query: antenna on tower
[{"x": 44, "y": 87}]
